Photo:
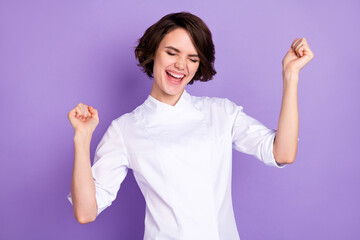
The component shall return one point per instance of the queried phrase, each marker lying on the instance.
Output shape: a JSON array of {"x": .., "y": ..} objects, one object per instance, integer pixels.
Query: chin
[
  {"x": 173, "y": 92},
  {"x": 174, "y": 86},
  {"x": 171, "y": 86}
]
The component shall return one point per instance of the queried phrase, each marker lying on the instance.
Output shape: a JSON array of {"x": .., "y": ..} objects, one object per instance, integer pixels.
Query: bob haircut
[{"x": 200, "y": 36}]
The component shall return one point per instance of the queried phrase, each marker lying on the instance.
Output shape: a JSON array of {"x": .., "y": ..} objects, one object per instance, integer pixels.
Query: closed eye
[{"x": 172, "y": 54}]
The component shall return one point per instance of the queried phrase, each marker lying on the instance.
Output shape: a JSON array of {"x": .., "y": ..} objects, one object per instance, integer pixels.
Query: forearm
[
  {"x": 82, "y": 184},
  {"x": 286, "y": 141}
]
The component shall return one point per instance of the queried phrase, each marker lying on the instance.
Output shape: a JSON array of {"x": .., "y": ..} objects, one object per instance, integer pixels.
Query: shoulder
[
  {"x": 124, "y": 120},
  {"x": 216, "y": 103}
]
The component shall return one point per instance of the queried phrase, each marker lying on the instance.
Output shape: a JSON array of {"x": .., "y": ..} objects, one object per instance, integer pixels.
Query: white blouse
[{"x": 181, "y": 157}]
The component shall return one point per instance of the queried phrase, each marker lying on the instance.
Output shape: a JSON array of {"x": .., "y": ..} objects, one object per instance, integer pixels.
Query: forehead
[{"x": 180, "y": 39}]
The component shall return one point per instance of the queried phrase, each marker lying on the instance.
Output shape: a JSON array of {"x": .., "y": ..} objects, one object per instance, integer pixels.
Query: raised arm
[
  {"x": 84, "y": 120},
  {"x": 286, "y": 140}
]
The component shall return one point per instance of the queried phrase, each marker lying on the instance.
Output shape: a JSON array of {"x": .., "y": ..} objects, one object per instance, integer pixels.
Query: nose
[{"x": 180, "y": 63}]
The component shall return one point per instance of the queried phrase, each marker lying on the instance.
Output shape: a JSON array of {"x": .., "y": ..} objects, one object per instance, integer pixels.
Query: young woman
[{"x": 179, "y": 146}]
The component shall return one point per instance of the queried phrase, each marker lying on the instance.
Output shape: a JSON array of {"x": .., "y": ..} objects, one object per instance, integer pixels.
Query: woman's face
[{"x": 175, "y": 64}]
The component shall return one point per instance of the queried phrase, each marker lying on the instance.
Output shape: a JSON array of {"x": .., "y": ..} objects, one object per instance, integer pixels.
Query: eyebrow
[{"x": 177, "y": 50}]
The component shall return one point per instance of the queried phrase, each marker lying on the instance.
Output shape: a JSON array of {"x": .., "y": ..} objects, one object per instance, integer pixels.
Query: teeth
[{"x": 175, "y": 76}]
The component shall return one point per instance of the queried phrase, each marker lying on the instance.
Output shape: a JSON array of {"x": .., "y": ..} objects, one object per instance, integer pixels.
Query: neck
[{"x": 167, "y": 98}]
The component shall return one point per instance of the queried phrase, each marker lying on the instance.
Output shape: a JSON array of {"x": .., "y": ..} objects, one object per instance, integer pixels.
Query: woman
[{"x": 179, "y": 146}]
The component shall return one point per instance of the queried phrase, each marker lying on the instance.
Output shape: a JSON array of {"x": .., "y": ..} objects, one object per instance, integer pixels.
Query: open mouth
[{"x": 174, "y": 78}]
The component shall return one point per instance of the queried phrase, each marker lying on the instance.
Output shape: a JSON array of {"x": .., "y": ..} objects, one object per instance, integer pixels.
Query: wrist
[
  {"x": 290, "y": 73},
  {"x": 83, "y": 136},
  {"x": 290, "y": 76}
]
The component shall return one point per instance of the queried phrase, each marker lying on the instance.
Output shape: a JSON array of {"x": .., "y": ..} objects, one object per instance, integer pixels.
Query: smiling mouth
[{"x": 175, "y": 77}]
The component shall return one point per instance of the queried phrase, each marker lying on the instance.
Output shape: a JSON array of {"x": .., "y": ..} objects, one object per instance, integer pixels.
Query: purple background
[{"x": 54, "y": 55}]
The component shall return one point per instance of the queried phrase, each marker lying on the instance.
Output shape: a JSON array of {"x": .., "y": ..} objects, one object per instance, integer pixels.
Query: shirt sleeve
[
  {"x": 250, "y": 136},
  {"x": 110, "y": 167}
]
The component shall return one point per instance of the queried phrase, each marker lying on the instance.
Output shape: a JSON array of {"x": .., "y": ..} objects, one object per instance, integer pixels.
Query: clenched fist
[
  {"x": 298, "y": 56},
  {"x": 83, "y": 118}
]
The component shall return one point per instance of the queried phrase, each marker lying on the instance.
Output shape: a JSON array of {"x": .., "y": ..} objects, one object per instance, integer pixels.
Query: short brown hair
[{"x": 200, "y": 36}]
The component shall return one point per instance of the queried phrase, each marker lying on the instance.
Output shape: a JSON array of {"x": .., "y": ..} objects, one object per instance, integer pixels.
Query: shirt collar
[{"x": 183, "y": 103}]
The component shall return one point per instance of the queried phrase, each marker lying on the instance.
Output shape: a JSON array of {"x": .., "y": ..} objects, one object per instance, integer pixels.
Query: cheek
[
  {"x": 165, "y": 59},
  {"x": 157, "y": 66}
]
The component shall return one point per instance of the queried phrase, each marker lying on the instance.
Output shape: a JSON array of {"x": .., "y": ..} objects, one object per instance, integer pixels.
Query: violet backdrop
[{"x": 55, "y": 54}]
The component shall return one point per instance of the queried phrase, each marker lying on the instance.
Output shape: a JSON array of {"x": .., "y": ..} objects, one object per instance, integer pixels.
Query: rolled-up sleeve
[
  {"x": 250, "y": 136},
  {"x": 110, "y": 167}
]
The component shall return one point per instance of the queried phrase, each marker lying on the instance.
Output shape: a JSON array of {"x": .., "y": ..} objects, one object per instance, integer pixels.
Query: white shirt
[{"x": 181, "y": 157}]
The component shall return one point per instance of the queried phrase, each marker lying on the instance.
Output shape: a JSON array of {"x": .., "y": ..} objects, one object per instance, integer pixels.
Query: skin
[
  {"x": 176, "y": 53},
  {"x": 286, "y": 140},
  {"x": 84, "y": 120}
]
